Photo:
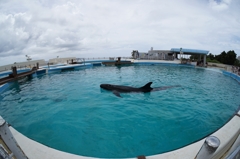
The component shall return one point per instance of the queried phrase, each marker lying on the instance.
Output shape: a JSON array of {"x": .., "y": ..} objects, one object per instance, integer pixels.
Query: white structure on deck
[
  {"x": 27, "y": 64},
  {"x": 61, "y": 60},
  {"x": 153, "y": 55},
  {"x": 159, "y": 54},
  {"x": 183, "y": 51},
  {"x": 170, "y": 54}
]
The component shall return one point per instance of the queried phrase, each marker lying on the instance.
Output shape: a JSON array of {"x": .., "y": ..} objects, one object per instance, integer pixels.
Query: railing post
[
  {"x": 14, "y": 71},
  {"x": 208, "y": 148}
]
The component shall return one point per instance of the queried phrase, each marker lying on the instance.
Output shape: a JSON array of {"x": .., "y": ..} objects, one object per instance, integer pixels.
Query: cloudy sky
[{"x": 45, "y": 29}]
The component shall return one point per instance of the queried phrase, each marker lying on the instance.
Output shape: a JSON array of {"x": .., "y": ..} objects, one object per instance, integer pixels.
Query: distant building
[
  {"x": 61, "y": 60},
  {"x": 153, "y": 55},
  {"x": 238, "y": 58},
  {"x": 174, "y": 53}
]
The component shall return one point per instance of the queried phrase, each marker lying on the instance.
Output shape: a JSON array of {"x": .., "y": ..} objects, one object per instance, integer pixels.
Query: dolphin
[{"x": 117, "y": 89}]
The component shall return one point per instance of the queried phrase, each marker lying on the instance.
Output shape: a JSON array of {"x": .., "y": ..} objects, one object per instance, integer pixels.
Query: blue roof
[{"x": 190, "y": 51}]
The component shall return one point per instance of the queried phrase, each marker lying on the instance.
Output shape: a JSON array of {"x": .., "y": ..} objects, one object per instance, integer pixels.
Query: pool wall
[
  {"x": 163, "y": 64},
  {"x": 59, "y": 68},
  {"x": 227, "y": 134},
  {"x": 4, "y": 87},
  {"x": 232, "y": 75}
]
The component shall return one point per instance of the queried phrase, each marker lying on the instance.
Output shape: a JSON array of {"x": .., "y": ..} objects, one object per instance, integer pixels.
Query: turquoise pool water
[{"x": 68, "y": 110}]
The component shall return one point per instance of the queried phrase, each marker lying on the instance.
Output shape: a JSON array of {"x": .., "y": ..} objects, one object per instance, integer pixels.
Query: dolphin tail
[{"x": 147, "y": 86}]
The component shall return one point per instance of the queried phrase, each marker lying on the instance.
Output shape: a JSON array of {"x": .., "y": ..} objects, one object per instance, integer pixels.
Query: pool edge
[{"x": 230, "y": 130}]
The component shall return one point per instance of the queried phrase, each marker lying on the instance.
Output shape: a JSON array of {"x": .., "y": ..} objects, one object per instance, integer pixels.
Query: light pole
[
  {"x": 57, "y": 60},
  {"x": 181, "y": 54}
]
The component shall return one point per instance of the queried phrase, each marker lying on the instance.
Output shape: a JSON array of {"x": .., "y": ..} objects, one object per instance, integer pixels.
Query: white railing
[{"x": 25, "y": 65}]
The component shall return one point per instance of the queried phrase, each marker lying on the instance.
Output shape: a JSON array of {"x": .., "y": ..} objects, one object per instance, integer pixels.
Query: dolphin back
[{"x": 147, "y": 86}]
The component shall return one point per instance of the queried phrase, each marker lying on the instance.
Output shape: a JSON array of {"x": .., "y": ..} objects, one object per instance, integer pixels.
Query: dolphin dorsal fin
[{"x": 147, "y": 86}]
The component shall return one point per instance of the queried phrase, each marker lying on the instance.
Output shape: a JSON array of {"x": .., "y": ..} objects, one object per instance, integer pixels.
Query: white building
[
  {"x": 172, "y": 54},
  {"x": 153, "y": 55}
]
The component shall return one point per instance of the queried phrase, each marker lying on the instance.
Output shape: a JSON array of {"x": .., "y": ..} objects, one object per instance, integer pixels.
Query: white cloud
[
  {"x": 44, "y": 29},
  {"x": 219, "y": 4}
]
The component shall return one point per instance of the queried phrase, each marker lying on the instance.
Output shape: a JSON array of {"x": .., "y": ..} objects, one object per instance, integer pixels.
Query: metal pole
[
  {"x": 208, "y": 148},
  {"x": 204, "y": 60}
]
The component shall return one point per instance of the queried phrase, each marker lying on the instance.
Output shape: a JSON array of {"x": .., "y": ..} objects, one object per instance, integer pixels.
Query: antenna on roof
[{"x": 28, "y": 58}]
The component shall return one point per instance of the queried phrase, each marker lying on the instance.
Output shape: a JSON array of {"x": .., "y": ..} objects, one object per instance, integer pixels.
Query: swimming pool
[{"x": 68, "y": 110}]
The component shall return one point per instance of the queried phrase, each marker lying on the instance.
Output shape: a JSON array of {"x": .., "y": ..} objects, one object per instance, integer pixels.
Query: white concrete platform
[{"x": 35, "y": 150}]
